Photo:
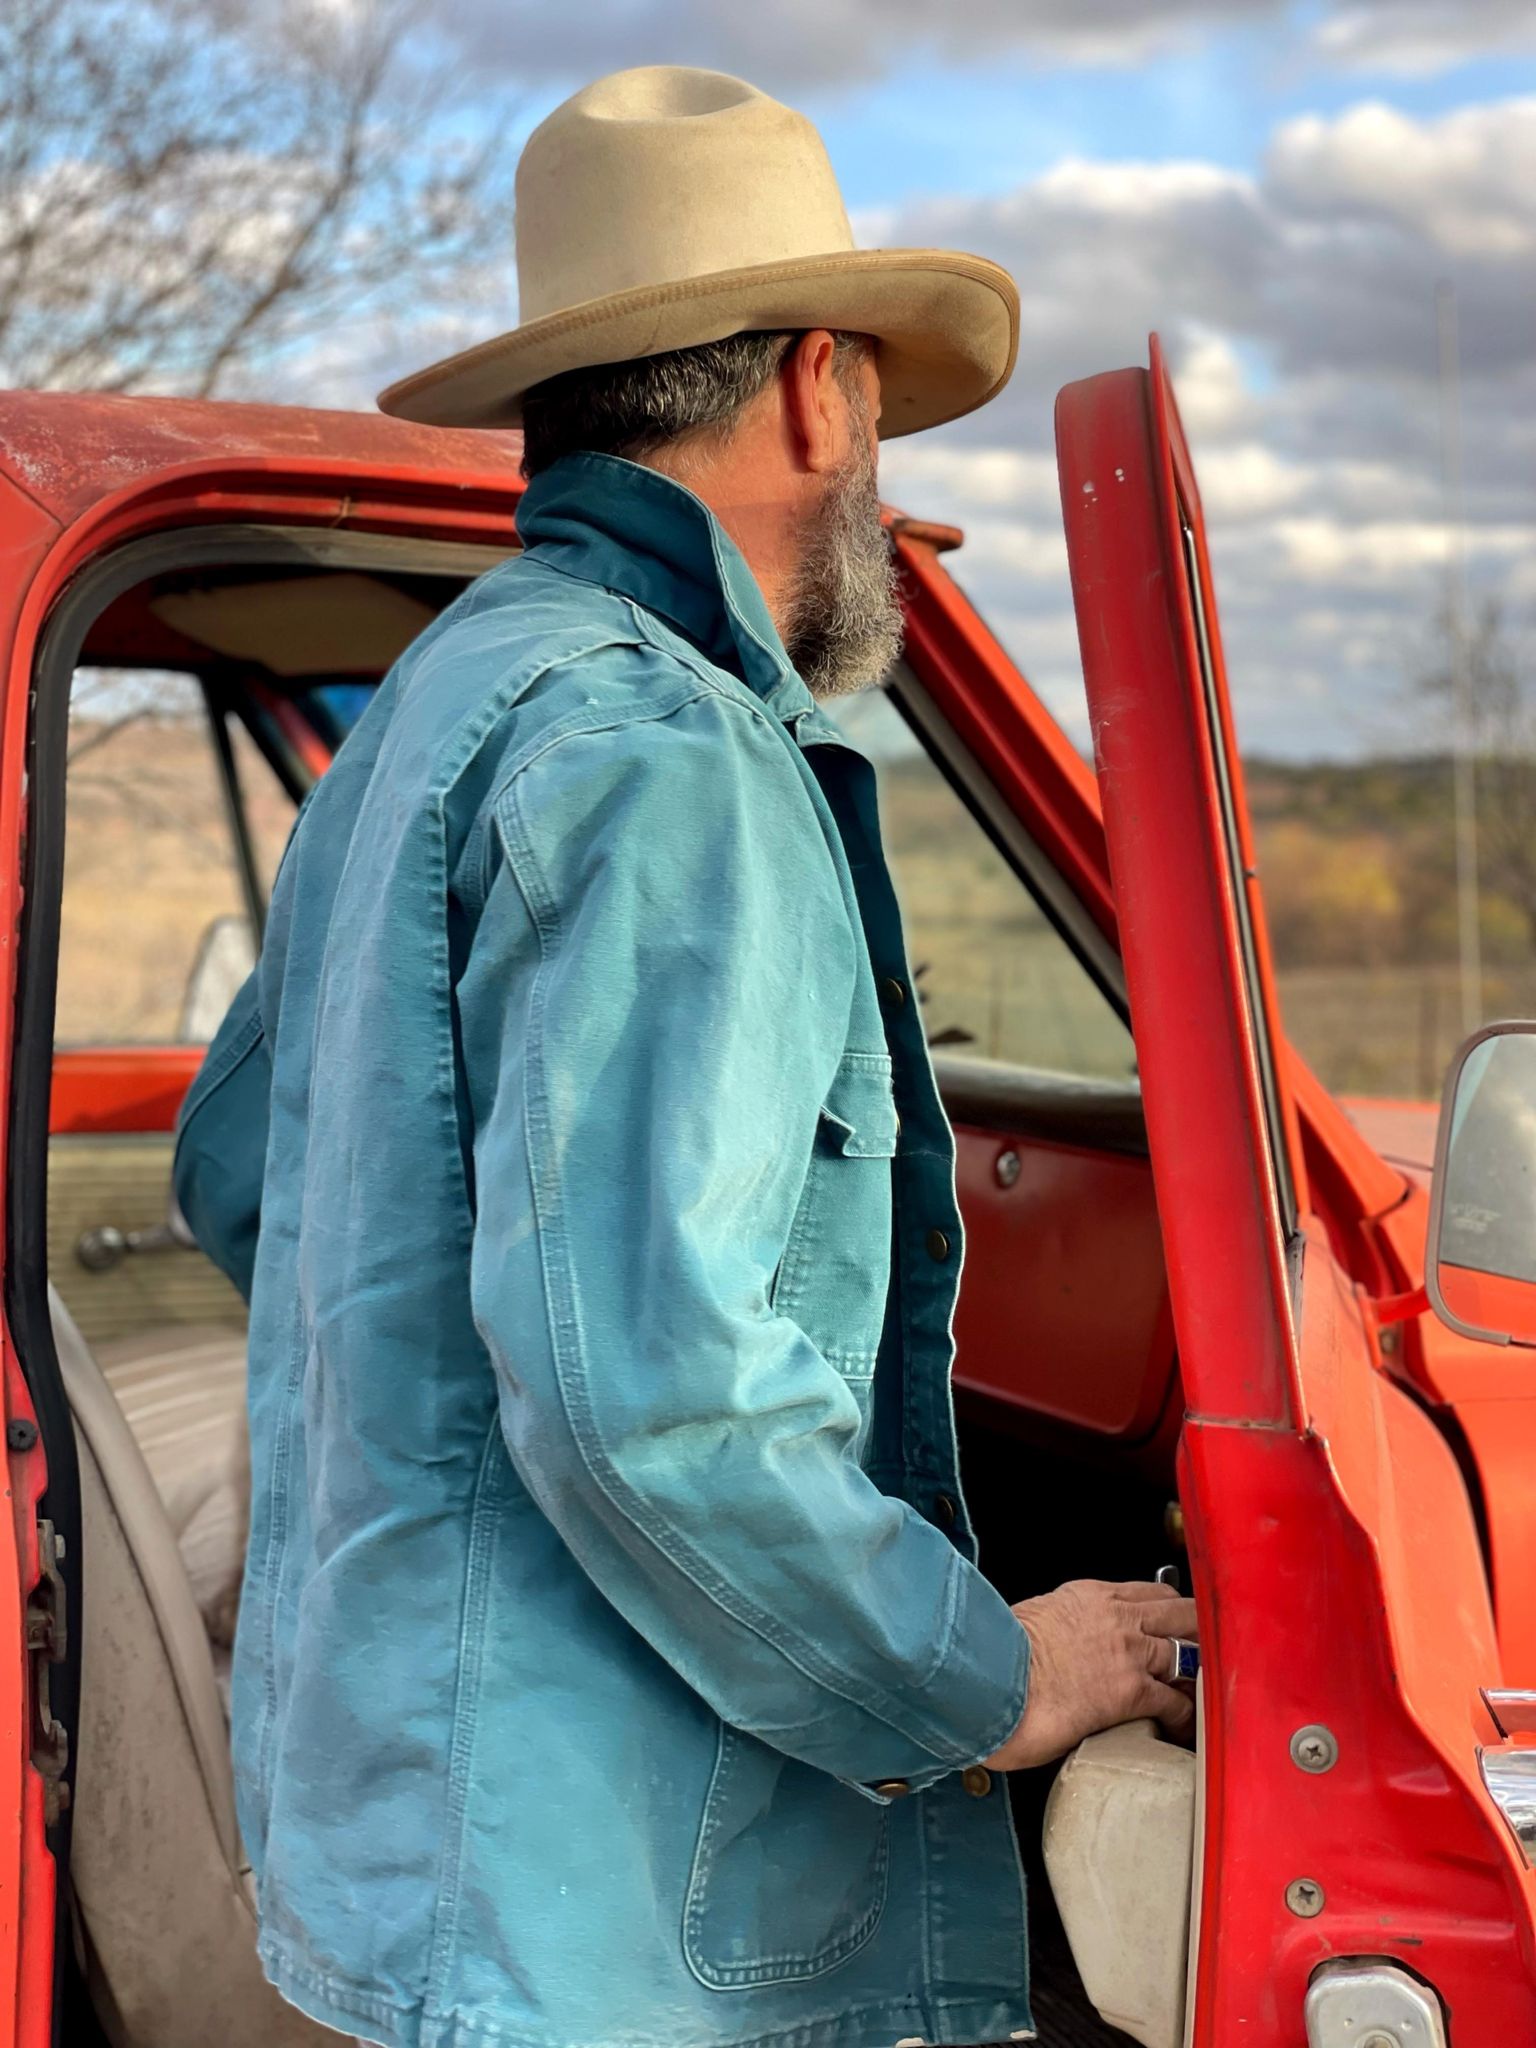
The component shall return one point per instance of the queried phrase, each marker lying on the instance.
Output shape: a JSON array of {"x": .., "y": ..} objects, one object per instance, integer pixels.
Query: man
[{"x": 612, "y": 1665}]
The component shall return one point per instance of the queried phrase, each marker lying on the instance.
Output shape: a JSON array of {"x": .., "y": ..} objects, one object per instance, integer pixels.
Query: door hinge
[{"x": 47, "y": 1640}]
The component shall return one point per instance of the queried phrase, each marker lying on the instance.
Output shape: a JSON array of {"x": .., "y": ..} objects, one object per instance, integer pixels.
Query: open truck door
[{"x": 1352, "y": 1863}]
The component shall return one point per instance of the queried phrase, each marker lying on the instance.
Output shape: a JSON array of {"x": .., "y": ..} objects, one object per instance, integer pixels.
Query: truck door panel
[{"x": 1064, "y": 1313}]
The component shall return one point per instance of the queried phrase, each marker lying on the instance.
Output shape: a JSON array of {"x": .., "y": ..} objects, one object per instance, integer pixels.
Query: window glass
[
  {"x": 153, "y": 908},
  {"x": 1278, "y": 1148},
  {"x": 344, "y": 702},
  {"x": 269, "y": 809},
  {"x": 996, "y": 978}
]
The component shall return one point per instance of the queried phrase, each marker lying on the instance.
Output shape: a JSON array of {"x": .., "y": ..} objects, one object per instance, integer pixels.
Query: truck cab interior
[{"x": 190, "y": 687}]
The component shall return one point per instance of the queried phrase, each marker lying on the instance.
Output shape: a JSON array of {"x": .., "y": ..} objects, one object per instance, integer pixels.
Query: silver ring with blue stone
[{"x": 1186, "y": 1660}]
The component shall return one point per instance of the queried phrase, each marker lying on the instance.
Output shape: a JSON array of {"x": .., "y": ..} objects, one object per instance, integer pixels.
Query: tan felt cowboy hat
[{"x": 665, "y": 207}]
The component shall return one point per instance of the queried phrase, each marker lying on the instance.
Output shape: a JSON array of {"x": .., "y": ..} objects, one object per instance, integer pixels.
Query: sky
[{"x": 1277, "y": 189}]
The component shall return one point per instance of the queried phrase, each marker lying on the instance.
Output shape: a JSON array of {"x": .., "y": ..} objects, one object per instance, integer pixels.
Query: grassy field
[
  {"x": 1390, "y": 1030},
  {"x": 148, "y": 868},
  {"x": 1342, "y": 886}
]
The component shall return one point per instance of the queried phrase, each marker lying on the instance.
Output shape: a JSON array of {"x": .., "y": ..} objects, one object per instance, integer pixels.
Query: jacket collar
[{"x": 634, "y": 531}]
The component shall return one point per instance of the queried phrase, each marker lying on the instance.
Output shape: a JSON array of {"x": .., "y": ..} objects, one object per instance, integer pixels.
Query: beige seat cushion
[
  {"x": 182, "y": 1393},
  {"x": 1120, "y": 1829},
  {"x": 156, "y": 1859}
]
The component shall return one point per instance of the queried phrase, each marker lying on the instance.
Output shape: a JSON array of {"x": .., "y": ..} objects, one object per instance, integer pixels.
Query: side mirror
[{"x": 1481, "y": 1266}]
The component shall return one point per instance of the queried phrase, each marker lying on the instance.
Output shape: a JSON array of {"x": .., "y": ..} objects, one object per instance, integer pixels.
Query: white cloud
[
  {"x": 784, "y": 44},
  {"x": 789, "y": 44},
  {"x": 1249, "y": 481},
  {"x": 1465, "y": 183},
  {"x": 999, "y": 479},
  {"x": 1420, "y": 37},
  {"x": 1298, "y": 310},
  {"x": 1383, "y": 554},
  {"x": 1214, "y": 397}
]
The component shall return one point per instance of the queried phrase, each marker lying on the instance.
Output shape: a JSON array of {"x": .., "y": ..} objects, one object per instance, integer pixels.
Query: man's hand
[{"x": 1100, "y": 1657}]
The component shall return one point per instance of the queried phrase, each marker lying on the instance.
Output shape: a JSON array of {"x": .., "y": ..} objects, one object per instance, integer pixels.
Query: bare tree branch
[
  {"x": 192, "y": 189},
  {"x": 1501, "y": 689}
]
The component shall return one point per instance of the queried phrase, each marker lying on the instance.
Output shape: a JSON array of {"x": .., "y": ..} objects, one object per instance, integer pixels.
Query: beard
[{"x": 843, "y": 620}]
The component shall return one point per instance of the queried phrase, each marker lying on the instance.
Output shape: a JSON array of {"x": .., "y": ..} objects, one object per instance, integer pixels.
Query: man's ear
[{"x": 815, "y": 404}]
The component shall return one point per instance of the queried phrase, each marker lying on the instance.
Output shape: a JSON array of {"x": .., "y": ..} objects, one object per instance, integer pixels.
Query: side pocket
[
  {"x": 835, "y": 1273},
  {"x": 790, "y": 1872}
]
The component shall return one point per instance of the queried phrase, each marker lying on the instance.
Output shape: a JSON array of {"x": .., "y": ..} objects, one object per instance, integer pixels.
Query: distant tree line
[{"x": 1358, "y": 859}]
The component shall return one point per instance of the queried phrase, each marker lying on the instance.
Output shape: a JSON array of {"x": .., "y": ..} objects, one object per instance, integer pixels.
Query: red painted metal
[
  {"x": 1334, "y": 1548},
  {"x": 1488, "y": 1394},
  {"x": 27, "y": 1876},
  {"x": 72, "y": 452},
  {"x": 100, "y": 1089},
  {"x": 1340, "y": 1582},
  {"x": 1189, "y": 1010},
  {"x": 28, "y": 1900},
  {"x": 1064, "y": 1312},
  {"x": 1488, "y": 1301},
  {"x": 295, "y": 728},
  {"x": 1398, "y": 1308},
  {"x": 941, "y": 538}
]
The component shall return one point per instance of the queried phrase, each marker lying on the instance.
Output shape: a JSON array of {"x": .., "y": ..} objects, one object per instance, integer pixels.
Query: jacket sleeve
[
  {"x": 660, "y": 986},
  {"x": 221, "y": 1142}
]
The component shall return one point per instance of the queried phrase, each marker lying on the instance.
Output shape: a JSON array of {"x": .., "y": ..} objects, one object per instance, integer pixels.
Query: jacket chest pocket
[{"x": 835, "y": 1274}]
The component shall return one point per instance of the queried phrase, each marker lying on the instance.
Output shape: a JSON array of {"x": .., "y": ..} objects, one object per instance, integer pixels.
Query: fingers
[
  {"x": 1174, "y": 1617},
  {"x": 1173, "y": 1711},
  {"x": 1100, "y": 1655},
  {"x": 1122, "y": 1589}
]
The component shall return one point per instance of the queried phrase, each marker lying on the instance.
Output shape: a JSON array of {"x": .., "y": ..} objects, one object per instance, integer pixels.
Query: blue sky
[{"x": 933, "y": 127}]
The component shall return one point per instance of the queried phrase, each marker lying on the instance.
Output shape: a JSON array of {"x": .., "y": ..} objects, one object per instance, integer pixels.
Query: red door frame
[
  {"x": 1333, "y": 1548},
  {"x": 285, "y": 490}
]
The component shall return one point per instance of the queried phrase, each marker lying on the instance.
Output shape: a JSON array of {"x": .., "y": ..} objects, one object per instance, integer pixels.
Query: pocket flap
[{"x": 860, "y": 1109}]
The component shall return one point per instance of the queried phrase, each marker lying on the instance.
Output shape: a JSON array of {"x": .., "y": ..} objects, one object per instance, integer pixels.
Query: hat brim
[{"x": 947, "y": 326}]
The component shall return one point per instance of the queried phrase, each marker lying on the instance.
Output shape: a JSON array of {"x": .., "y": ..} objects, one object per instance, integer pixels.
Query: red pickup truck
[{"x": 1194, "y": 1309}]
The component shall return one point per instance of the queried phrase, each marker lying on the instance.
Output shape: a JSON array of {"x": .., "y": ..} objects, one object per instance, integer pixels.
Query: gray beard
[{"x": 843, "y": 620}]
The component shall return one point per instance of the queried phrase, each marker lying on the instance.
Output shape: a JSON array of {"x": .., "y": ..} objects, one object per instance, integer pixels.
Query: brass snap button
[
  {"x": 894, "y": 992},
  {"x": 892, "y": 1788},
  {"x": 938, "y": 1246},
  {"x": 977, "y": 1781},
  {"x": 947, "y": 1509}
]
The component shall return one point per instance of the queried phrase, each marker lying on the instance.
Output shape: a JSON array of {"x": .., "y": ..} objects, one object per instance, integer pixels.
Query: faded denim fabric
[{"x": 601, "y": 1561}]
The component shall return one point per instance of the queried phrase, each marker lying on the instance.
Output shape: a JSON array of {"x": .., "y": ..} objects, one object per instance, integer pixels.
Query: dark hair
[{"x": 634, "y": 408}]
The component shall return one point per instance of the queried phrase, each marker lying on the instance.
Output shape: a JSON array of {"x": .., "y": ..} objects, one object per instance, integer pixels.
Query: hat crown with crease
[
  {"x": 663, "y": 208},
  {"x": 662, "y": 174}
]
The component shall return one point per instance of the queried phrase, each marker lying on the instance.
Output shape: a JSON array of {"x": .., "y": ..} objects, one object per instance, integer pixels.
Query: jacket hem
[{"x": 351, "y": 2010}]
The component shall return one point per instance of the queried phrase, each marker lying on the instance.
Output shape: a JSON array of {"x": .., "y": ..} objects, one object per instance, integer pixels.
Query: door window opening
[{"x": 1277, "y": 1151}]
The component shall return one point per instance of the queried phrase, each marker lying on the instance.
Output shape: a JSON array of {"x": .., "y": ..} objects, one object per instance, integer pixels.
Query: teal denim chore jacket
[{"x": 605, "y": 1571}]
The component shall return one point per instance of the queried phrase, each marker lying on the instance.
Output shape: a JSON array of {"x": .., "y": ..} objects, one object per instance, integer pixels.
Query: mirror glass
[{"x": 1482, "y": 1252}]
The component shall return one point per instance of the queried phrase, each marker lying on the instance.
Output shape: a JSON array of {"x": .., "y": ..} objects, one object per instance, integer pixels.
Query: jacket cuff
[
  {"x": 978, "y": 1689},
  {"x": 973, "y": 1699}
]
